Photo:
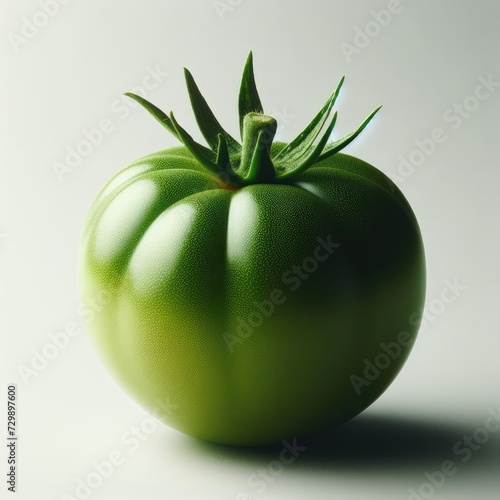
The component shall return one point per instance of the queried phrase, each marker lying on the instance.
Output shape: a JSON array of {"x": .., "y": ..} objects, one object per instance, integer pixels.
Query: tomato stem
[{"x": 258, "y": 134}]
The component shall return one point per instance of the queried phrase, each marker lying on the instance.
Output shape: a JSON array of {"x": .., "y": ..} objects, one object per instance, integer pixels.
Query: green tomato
[{"x": 258, "y": 292}]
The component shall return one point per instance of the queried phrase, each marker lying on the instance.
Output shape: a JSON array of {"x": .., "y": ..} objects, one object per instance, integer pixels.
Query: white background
[{"x": 67, "y": 77}]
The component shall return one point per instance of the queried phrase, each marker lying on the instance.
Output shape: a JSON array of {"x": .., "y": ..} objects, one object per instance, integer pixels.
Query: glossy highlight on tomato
[{"x": 252, "y": 281}]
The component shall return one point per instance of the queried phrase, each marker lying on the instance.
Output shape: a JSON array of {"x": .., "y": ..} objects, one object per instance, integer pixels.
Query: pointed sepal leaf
[
  {"x": 204, "y": 155},
  {"x": 336, "y": 146},
  {"x": 261, "y": 167},
  {"x": 208, "y": 123},
  {"x": 155, "y": 112},
  {"x": 310, "y": 157},
  {"x": 223, "y": 161},
  {"x": 249, "y": 100},
  {"x": 303, "y": 142}
]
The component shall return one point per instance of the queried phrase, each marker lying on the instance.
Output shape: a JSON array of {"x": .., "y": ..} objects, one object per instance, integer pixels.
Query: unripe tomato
[{"x": 262, "y": 290}]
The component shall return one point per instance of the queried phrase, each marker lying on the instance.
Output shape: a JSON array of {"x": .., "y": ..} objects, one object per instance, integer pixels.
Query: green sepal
[
  {"x": 249, "y": 100},
  {"x": 336, "y": 146},
  {"x": 261, "y": 169},
  {"x": 155, "y": 112},
  {"x": 223, "y": 161},
  {"x": 207, "y": 157},
  {"x": 310, "y": 157},
  {"x": 204, "y": 155},
  {"x": 303, "y": 142},
  {"x": 208, "y": 124}
]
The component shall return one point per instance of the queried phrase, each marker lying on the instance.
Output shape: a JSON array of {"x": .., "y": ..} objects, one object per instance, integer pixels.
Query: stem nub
[{"x": 258, "y": 134}]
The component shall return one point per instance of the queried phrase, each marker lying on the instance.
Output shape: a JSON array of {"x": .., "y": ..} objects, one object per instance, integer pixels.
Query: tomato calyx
[{"x": 252, "y": 162}]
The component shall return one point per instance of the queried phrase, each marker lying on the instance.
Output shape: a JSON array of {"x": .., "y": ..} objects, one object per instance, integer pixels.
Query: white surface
[{"x": 70, "y": 76}]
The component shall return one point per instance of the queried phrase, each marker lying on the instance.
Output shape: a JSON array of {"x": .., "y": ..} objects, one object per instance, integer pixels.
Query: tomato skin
[{"x": 250, "y": 310}]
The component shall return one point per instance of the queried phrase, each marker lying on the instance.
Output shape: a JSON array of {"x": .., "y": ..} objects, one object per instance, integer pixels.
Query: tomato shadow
[{"x": 367, "y": 444}]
